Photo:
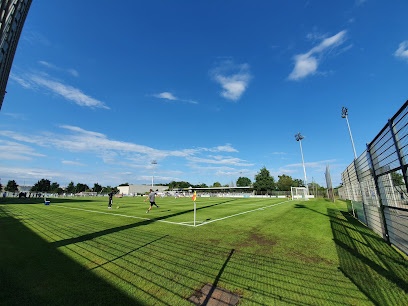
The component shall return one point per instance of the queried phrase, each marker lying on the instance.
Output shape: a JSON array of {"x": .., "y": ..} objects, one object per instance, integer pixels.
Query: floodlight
[
  {"x": 299, "y": 137},
  {"x": 344, "y": 112}
]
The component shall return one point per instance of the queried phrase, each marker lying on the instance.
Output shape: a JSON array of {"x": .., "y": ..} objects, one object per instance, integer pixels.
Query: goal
[{"x": 299, "y": 193}]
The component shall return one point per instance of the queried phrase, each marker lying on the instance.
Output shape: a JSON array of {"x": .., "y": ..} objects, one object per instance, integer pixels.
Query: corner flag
[{"x": 194, "y": 197}]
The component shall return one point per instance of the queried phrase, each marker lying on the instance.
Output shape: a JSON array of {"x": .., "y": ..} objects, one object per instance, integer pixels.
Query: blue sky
[{"x": 211, "y": 90}]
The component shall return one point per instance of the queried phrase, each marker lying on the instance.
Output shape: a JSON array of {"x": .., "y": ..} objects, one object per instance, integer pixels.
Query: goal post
[{"x": 299, "y": 193}]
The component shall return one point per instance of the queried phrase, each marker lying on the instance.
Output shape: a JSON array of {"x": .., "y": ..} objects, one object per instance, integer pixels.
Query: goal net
[{"x": 299, "y": 193}]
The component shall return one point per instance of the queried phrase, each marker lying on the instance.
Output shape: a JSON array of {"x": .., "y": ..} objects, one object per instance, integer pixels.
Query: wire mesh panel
[
  {"x": 397, "y": 225},
  {"x": 379, "y": 179},
  {"x": 369, "y": 193}
]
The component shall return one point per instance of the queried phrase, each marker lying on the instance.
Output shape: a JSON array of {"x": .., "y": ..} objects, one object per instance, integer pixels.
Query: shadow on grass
[
  {"x": 376, "y": 268},
  {"x": 33, "y": 272},
  {"x": 161, "y": 269},
  {"x": 33, "y": 200}
]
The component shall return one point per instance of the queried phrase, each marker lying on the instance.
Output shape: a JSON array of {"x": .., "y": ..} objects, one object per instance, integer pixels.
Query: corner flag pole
[{"x": 194, "y": 197}]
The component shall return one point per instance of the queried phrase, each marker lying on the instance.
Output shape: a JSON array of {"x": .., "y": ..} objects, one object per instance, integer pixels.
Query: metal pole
[
  {"x": 194, "y": 213},
  {"x": 303, "y": 162},
  {"x": 299, "y": 138},
  {"x": 344, "y": 114},
  {"x": 154, "y": 162}
]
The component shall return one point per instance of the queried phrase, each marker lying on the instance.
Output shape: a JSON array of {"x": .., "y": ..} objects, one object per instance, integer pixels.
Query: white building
[{"x": 139, "y": 189}]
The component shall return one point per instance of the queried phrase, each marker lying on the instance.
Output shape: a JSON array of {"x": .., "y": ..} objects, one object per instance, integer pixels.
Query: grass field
[{"x": 266, "y": 251}]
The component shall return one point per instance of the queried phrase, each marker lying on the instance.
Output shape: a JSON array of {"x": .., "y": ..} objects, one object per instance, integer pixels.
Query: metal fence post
[
  {"x": 377, "y": 188},
  {"x": 398, "y": 150}
]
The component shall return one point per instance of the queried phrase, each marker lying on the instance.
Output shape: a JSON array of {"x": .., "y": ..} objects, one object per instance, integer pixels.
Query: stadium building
[
  {"x": 13, "y": 14},
  {"x": 131, "y": 190}
]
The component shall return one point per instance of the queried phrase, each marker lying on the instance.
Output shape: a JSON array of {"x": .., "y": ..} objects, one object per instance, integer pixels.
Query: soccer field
[
  {"x": 256, "y": 251},
  {"x": 179, "y": 211}
]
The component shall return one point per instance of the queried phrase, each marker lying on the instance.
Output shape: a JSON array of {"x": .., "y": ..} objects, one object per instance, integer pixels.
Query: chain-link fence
[{"x": 376, "y": 183}]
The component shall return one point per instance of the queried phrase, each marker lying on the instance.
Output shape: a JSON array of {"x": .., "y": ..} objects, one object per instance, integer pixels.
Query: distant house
[{"x": 24, "y": 188}]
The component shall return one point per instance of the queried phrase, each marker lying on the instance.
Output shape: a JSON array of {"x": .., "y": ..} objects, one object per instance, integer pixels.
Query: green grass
[{"x": 77, "y": 252}]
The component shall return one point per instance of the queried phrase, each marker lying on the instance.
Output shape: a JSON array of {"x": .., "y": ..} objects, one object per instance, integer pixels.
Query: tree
[
  {"x": 124, "y": 184},
  {"x": 97, "y": 187},
  {"x": 243, "y": 182},
  {"x": 109, "y": 189},
  {"x": 55, "y": 188},
  {"x": 179, "y": 185},
  {"x": 264, "y": 182},
  {"x": 202, "y": 185},
  {"x": 42, "y": 185},
  {"x": 70, "y": 188},
  {"x": 216, "y": 184},
  {"x": 11, "y": 186},
  {"x": 284, "y": 182},
  {"x": 81, "y": 187},
  {"x": 397, "y": 179},
  {"x": 314, "y": 188},
  {"x": 298, "y": 183}
]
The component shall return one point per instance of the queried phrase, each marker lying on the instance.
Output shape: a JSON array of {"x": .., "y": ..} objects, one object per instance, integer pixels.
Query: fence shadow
[
  {"x": 376, "y": 268},
  {"x": 33, "y": 272},
  {"x": 65, "y": 261}
]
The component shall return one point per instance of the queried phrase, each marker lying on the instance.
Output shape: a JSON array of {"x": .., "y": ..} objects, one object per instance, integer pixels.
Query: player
[
  {"x": 152, "y": 199},
  {"x": 110, "y": 194}
]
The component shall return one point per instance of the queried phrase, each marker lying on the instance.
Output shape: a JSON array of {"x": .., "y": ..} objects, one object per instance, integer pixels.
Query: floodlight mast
[
  {"x": 344, "y": 114},
  {"x": 154, "y": 163},
  {"x": 299, "y": 138}
]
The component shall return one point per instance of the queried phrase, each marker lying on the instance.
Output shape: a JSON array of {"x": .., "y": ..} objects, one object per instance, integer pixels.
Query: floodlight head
[
  {"x": 344, "y": 112},
  {"x": 299, "y": 137}
]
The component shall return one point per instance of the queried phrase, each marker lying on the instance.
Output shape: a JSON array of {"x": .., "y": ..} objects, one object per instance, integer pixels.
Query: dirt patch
[
  {"x": 214, "y": 296},
  {"x": 308, "y": 259},
  {"x": 259, "y": 240}
]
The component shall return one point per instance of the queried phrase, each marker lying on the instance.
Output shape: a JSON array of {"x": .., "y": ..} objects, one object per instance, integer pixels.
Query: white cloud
[
  {"x": 10, "y": 150},
  {"x": 226, "y": 148},
  {"x": 73, "y": 72},
  {"x": 70, "y": 71},
  {"x": 72, "y": 163},
  {"x": 23, "y": 82},
  {"x": 68, "y": 92},
  {"x": 234, "y": 79},
  {"x": 91, "y": 156},
  {"x": 34, "y": 81},
  {"x": 166, "y": 95},
  {"x": 169, "y": 96},
  {"x": 402, "y": 51},
  {"x": 220, "y": 160},
  {"x": 78, "y": 140},
  {"x": 307, "y": 63}
]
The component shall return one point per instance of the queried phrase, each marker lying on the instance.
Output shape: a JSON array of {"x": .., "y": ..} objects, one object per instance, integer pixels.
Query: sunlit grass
[{"x": 76, "y": 251}]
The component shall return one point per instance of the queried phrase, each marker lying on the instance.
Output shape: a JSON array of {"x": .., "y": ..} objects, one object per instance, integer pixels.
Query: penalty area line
[
  {"x": 121, "y": 215},
  {"x": 242, "y": 213}
]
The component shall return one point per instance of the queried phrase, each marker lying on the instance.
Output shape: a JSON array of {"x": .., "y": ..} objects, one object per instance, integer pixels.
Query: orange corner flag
[{"x": 194, "y": 197}]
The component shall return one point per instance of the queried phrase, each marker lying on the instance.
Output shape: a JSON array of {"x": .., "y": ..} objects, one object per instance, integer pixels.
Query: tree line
[
  {"x": 46, "y": 186},
  {"x": 264, "y": 183}
]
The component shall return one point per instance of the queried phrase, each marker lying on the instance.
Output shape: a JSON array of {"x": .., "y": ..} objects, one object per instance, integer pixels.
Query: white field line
[
  {"x": 242, "y": 213},
  {"x": 120, "y": 215}
]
